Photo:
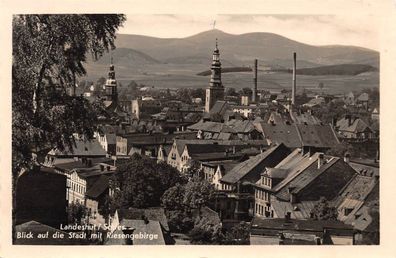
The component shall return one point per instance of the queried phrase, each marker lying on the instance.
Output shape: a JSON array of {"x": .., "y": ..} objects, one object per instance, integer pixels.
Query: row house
[
  {"x": 213, "y": 171},
  {"x": 231, "y": 130},
  {"x": 237, "y": 184},
  {"x": 297, "y": 183},
  {"x": 310, "y": 137},
  {"x": 90, "y": 149},
  {"x": 127, "y": 144},
  {"x": 354, "y": 128},
  {"x": 81, "y": 176}
]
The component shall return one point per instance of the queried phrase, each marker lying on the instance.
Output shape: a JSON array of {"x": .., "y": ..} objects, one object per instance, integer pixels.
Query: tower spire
[{"x": 215, "y": 91}]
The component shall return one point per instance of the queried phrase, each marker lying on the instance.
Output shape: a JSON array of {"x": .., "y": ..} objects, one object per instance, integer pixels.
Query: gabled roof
[
  {"x": 150, "y": 227},
  {"x": 281, "y": 133},
  {"x": 244, "y": 168},
  {"x": 356, "y": 126},
  {"x": 305, "y": 118},
  {"x": 302, "y": 174},
  {"x": 363, "y": 97},
  {"x": 152, "y": 213},
  {"x": 220, "y": 107},
  {"x": 279, "y": 117},
  {"x": 82, "y": 148},
  {"x": 231, "y": 126},
  {"x": 322, "y": 136},
  {"x": 98, "y": 188},
  {"x": 300, "y": 210},
  {"x": 354, "y": 195},
  {"x": 298, "y": 135}
]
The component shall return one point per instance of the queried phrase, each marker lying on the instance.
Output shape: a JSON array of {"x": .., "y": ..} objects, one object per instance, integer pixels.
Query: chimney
[
  {"x": 288, "y": 216},
  {"x": 233, "y": 149},
  {"x": 254, "y": 93},
  {"x": 347, "y": 157},
  {"x": 320, "y": 160},
  {"x": 128, "y": 231},
  {"x": 101, "y": 168},
  {"x": 294, "y": 78},
  {"x": 145, "y": 219}
]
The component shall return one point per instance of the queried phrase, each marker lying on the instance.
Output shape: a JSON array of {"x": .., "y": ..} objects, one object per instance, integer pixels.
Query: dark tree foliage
[
  {"x": 48, "y": 55},
  {"x": 198, "y": 193},
  {"x": 172, "y": 199},
  {"x": 202, "y": 236},
  {"x": 237, "y": 235},
  {"x": 76, "y": 212},
  {"x": 183, "y": 95},
  {"x": 142, "y": 181},
  {"x": 323, "y": 211},
  {"x": 179, "y": 221},
  {"x": 179, "y": 201},
  {"x": 198, "y": 93},
  {"x": 246, "y": 91},
  {"x": 231, "y": 92}
]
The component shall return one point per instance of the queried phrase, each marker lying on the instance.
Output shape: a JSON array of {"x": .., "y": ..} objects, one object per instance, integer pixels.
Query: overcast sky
[{"x": 310, "y": 29}]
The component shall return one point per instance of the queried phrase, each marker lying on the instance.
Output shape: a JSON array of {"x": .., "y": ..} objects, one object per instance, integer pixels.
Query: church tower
[
  {"x": 111, "y": 85},
  {"x": 215, "y": 91}
]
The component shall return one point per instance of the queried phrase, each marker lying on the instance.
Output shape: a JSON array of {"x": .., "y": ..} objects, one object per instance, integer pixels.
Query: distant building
[
  {"x": 111, "y": 101},
  {"x": 354, "y": 128},
  {"x": 310, "y": 137},
  {"x": 375, "y": 114},
  {"x": 362, "y": 100},
  {"x": 216, "y": 89},
  {"x": 349, "y": 99},
  {"x": 142, "y": 109},
  {"x": 286, "y": 231}
]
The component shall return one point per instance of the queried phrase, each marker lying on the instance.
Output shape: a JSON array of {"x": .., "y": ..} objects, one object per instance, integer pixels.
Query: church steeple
[
  {"x": 111, "y": 84},
  {"x": 215, "y": 78},
  {"x": 215, "y": 91}
]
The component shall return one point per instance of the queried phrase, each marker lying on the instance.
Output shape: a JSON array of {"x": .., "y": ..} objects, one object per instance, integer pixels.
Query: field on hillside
[{"x": 178, "y": 76}]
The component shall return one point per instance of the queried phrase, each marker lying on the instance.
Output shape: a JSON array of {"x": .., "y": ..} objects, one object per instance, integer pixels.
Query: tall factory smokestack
[
  {"x": 294, "y": 78},
  {"x": 254, "y": 93}
]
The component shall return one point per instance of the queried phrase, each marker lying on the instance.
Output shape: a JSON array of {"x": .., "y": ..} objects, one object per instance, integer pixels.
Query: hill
[
  {"x": 342, "y": 69},
  {"x": 242, "y": 49},
  {"x": 227, "y": 70},
  {"x": 127, "y": 57}
]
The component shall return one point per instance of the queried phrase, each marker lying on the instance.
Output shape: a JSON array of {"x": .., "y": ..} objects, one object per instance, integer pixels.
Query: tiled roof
[
  {"x": 302, "y": 175},
  {"x": 152, "y": 213},
  {"x": 354, "y": 195},
  {"x": 305, "y": 118},
  {"x": 220, "y": 107},
  {"x": 365, "y": 169},
  {"x": 298, "y": 224},
  {"x": 140, "y": 227},
  {"x": 363, "y": 97},
  {"x": 82, "y": 148},
  {"x": 322, "y": 136},
  {"x": 356, "y": 126},
  {"x": 298, "y": 135},
  {"x": 300, "y": 210},
  {"x": 281, "y": 133},
  {"x": 98, "y": 187},
  {"x": 244, "y": 168},
  {"x": 232, "y": 126}
]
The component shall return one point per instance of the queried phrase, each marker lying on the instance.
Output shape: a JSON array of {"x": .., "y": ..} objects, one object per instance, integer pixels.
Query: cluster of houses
[{"x": 267, "y": 160}]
